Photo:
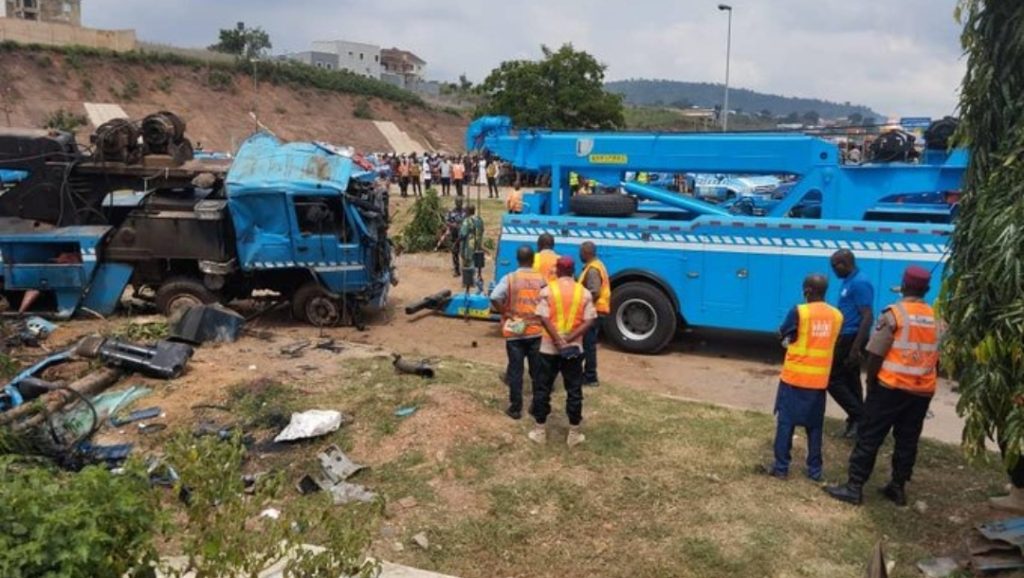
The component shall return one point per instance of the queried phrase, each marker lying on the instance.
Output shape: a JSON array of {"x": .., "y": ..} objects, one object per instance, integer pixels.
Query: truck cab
[{"x": 674, "y": 259}]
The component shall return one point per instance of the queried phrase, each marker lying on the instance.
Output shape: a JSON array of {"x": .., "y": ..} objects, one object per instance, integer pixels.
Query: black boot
[
  {"x": 852, "y": 430},
  {"x": 895, "y": 493},
  {"x": 514, "y": 412},
  {"x": 849, "y": 492}
]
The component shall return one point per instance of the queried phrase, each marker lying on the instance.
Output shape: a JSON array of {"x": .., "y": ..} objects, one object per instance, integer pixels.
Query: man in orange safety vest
[
  {"x": 595, "y": 278},
  {"x": 809, "y": 333},
  {"x": 545, "y": 258},
  {"x": 903, "y": 355}
]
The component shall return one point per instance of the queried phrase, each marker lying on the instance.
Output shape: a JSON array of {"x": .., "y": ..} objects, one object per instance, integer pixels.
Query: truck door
[
  {"x": 318, "y": 221},
  {"x": 726, "y": 274}
]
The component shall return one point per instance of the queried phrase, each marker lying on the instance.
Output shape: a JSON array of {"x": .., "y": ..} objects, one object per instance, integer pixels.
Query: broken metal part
[
  {"x": 206, "y": 323},
  {"x": 337, "y": 466},
  {"x": 346, "y": 493},
  {"x": 137, "y": 415}
]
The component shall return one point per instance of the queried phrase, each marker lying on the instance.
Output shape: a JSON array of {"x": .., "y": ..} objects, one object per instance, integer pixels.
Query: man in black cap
[{"x": 903, "y": 355}]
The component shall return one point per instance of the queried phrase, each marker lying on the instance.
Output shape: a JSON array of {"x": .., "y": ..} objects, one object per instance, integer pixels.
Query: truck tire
[
  {"x": 606, "y": 205},
  {"x": 642, "y": 318},
  {"x": 179, "y": 293},
  {"x": 314, "y": 305}
]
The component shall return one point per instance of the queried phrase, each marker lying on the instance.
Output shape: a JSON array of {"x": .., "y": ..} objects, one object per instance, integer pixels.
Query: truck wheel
[
  {"x": 606, "y": 205},
  {"x": 642, "y": 318},
  {"x": 180, "y": 293},
  {"x": 312, "y": 304}
]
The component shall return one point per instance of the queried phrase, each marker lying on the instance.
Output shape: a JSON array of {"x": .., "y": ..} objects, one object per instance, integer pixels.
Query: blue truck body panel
[{"x": 725, "y": 270}]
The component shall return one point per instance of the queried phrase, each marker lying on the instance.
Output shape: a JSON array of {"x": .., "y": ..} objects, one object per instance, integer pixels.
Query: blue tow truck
[
  {"x": 674, "y": 259},
  {"x": 305, "y": 220}
]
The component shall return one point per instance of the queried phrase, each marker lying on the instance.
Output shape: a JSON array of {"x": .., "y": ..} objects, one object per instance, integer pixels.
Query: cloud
[{"x": 900, "y": 58}]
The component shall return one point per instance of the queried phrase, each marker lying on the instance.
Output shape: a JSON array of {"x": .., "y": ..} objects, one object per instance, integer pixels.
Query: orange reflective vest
[
  {"x": 603, "y": 302},
  {"x": 809, "y": 358},
  {"x": 544, "y": 263},
  {"x": 911, "y": 362},
  {"x": 523, "y": 294},
  {"x": 514, "y": 202},
  {"x": 565, "y": 305},
  {"x": 458, "y": 171}
]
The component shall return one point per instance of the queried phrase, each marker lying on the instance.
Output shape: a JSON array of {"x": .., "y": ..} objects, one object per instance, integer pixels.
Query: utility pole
[{"x": 728, "y": 54}]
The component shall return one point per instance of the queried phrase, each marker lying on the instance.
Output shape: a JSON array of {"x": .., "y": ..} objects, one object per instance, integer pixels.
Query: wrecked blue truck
[{"x": 306, "y": 221}]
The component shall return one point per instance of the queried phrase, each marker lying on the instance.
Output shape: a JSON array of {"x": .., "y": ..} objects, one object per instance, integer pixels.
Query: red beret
[
  {"x": 915, "y": 277},
  {"x": 565, "y": 264}
]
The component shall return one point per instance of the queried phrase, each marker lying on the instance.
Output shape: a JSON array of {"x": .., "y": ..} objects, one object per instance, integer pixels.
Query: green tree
[
  {"x": 247, "y": 43},
  {"x": 562, "y": 91},
  {"x": 982, "y": 297}
]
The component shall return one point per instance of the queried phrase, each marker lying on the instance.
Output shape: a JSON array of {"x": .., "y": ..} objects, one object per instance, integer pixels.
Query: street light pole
[{"x": 728, "y": 54}]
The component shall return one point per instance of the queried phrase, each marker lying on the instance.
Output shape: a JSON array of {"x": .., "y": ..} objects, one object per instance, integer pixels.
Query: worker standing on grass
[
  {"x": 446, "y": 176},
  {"x": 809, "y": 334},
  {"x": 856, "y": 297},
  {"x": 515, "y": 297},
  {"x": 453, "y": 226},
  {"x": 566, "y": 311},
  {"x": 903, "y": 355},
  {"x": 414, "y": 177},
  {"x": 471, "y": 240},
  {"x": 595, "y": 279},
  {"x": 545, "y": 260},
  {"x": 458, "y": 175},
  {"x": 514, "y": 201}
]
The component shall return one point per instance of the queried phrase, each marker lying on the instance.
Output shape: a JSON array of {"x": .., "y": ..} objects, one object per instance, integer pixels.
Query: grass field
[{"x": 660, "y": 488}]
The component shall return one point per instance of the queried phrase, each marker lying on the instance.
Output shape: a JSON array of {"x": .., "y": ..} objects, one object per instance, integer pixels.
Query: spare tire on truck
[{"x": 608, "y": 205}]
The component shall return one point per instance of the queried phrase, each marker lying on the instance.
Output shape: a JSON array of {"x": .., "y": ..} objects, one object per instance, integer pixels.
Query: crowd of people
[{"x": 415, "y": 173}]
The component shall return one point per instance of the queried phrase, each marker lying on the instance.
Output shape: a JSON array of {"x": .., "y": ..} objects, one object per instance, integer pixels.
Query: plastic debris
[
  {"x": 346, "y": 493},
  {"x": 405, "y": 411},
  {"x": 310, "y": 424},
  {"x": 938, "y": 567},
  {"x": 272, "y": 513},
  {"x": 137, "y": 415},
  {"x": 421, "y": 541}
]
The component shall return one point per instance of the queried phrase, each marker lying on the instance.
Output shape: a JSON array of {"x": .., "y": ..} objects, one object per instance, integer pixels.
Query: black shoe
[
  {"x": 594, "y": 383},
  {"x": 849, "y": 493},
  {"x": 769, "y": 470},
  {"x": 852, "y": 430},
  {"x": 514, "y": 413},
  {"x": 895, "y": 493}
]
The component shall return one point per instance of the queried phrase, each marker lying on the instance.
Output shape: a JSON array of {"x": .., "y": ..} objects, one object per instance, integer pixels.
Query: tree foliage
[
  {"x": 564, "y": 90},
  {"x": 247, "y": 43},
  {"x": 983, "y": 292}
]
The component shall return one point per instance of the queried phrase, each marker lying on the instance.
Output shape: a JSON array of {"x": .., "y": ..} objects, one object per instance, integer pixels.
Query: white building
[{"x": 357, "y": 57}]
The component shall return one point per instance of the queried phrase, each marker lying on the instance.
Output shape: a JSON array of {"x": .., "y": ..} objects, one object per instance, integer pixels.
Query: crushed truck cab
[{"x": 674, "y": 259}]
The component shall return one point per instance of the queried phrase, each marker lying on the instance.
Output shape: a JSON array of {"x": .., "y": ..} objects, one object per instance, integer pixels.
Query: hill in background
[{"x": 644, "y": 92}]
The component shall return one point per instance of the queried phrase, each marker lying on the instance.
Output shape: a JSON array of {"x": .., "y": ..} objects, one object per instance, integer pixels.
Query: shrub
[
  {"x": 220, "y": 80},
  {"x": 164, "y": 84},
  {"x": 129, "y": 92},
  {"x": 87, "y": 88},
  {"x": 362, "y": 109},
  {"x": 64, "y": 120},
  {"x": 421, "y": 234},
  {"x": 280, "y": 109}
]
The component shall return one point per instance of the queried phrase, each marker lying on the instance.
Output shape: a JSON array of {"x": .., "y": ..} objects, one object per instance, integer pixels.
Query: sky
[{"x": 899, "y": 57}]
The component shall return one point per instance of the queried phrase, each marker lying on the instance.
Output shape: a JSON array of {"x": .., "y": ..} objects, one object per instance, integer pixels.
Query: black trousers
[
  {"x": 844, "y": 384},
  {"x": 446, "y": 186},
  {"x": 572, "y": 376},
  {"x": 458, "y": 187},
  {"x": 456, "y": 250},
  {"x": 520, "y": 352},
  {"x": 492, "y": 187},
  {"x": 887, "y": 409},
  {"x": 416, "y": 187}
]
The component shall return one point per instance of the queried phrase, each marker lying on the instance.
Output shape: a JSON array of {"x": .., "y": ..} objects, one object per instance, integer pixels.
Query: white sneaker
[
  {"x": 575, "y": 437},
  {"x": 538, "y": 434}
]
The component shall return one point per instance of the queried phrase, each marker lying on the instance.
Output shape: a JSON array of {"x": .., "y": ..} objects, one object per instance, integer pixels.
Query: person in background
[
  {"x": 902, "y": 372},
  {"x": 493, "y": 174},
  {"x": 446, "y": 176},
  {"x": 458, "y": 175},
  {"x": 425, "y": 172},
  {"x": 453, "y": 226},
  {"x": 545, "y": 259},
  {"x": 856, "y": 298},
  {"x": 514, "y": 202},
  {"x": 471, "y": 239},
  {"x": 515, "y": 297},
  {"x": 809, "y": 334},
  {"x": 594, "y": 278},
  {"x": 482, "y": 166},
  {"x": 403, "y": 176},
  {"x": 566, "y": 311},
  {"x": 415, "y": 170}
]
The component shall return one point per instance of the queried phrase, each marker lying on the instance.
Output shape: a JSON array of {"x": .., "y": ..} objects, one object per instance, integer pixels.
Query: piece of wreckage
[{"x": 307, "y": 222}]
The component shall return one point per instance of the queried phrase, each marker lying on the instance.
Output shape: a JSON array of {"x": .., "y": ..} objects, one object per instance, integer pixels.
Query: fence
[{"x": 56, "y": 34}]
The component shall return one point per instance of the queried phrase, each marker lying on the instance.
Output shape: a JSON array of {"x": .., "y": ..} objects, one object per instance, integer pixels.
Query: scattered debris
[
  {"x": 207, "y": 323},
  {"x": 421, "y": 368},
  {"x": 329, "y": 345},
  {"x": 405, "y": 411},
  {"x": 164, "y": 360},
  {"x": 337, "y": 466},
  {"x": 39, "y": 328},
  {"x": 149, "y": 428},
  {"x": 137, "y": 415},
  {"x": 295, "y": 350},
  {"x": 398, "y": 547},
  {"x": 346, "y": 493},
  {"x": 938, "y": 567},
  {"x": 997, "y": 546},
  {"x": 310, "y": 424},
  {"x": 421, "y": 540},
  {"x": 272, "y": 513},
  {"x": 307, "y": 485}
]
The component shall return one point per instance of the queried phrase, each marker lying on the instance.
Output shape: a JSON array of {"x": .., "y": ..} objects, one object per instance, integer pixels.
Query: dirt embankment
[{"x": 215, "y": 103}]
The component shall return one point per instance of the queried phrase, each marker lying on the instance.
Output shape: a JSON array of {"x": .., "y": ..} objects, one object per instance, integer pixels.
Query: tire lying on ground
[
  {"x": 642, "y": 318},
  {"x": 607, "y": 205}
]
